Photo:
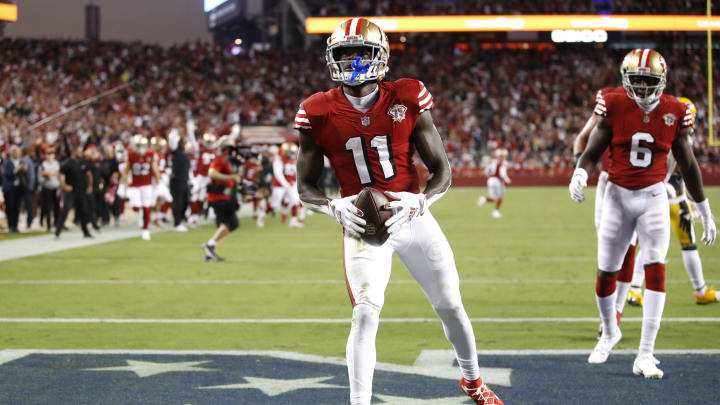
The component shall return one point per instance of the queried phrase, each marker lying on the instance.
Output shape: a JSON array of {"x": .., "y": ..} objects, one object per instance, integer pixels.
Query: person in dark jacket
[
  {"x": 76, "y": 182},
  {"x": 12, "y": 189}
]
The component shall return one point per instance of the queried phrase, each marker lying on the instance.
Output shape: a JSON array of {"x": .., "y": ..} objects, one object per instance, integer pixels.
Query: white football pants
[
  {"x": 625, "y": 211},
  {"x": 426, "y": 253}
]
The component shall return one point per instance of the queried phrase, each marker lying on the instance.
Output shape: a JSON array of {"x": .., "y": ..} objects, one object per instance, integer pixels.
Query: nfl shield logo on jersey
[
  {"x": 397, "y": 112},
  {"x": 669, "y": 119},
  {"x": 365, "y": 121}
]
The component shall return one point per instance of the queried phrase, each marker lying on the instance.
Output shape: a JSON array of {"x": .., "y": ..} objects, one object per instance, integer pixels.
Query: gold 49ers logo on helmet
[
  {"x": 357, "y": 52},
  {"x": 644, "y": 74}
]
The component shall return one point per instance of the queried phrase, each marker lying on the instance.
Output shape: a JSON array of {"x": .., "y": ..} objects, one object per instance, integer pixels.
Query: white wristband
[
  {"x": 580, "y": 172},
  {"x": 704, "y": 208}
]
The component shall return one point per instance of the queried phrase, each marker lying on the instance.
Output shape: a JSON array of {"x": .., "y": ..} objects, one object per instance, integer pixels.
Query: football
[{"x": 371, "y": 202}]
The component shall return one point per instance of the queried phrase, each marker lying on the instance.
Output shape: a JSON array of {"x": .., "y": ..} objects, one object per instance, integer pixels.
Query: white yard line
[
  {"x": 285, "y": 282},
  {"x": 328, "y": 320}
]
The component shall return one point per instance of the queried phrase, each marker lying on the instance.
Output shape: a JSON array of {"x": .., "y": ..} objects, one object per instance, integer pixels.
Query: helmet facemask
[
  {"x": 644, "y": 87},
  {"x": 372, "y": 64}
]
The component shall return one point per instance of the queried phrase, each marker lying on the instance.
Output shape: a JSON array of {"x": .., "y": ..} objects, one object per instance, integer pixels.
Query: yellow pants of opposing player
[{"x": 682, "y": 223}]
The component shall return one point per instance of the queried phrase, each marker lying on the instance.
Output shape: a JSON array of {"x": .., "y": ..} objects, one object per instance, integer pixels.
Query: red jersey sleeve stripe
[
  {"x": 426, "y": 100},
  {"x": 429, "y": 106},
  {"x": 297, "y": 119}
]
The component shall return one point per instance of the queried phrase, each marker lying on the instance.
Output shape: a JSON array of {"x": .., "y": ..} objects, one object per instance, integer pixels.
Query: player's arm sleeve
[
  {"x": 424, "y": 98},
  {"x": 278, "y": 173},
  {"x": 504, "y": 175}
]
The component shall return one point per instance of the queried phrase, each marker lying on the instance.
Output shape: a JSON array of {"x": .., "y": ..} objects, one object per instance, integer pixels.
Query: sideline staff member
[
  {"x": 77, "y": 185},
  {"x": 222, "y": 197}
]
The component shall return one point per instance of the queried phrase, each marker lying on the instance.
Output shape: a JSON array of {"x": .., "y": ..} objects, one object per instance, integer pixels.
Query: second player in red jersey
[{"x": 640, "y": 127}]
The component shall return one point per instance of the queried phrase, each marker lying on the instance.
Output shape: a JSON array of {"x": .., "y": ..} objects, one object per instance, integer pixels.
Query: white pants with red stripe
[
  {"x": 623, "y": 212},
  {"x": 426, "y": 253},
  {"x": 141, "y": 196}
]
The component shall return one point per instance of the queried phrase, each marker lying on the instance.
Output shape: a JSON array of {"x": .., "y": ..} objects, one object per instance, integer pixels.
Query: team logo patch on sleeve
[
  {"x": 669, "y": 119},
  {"x": 397, "y": 112}
]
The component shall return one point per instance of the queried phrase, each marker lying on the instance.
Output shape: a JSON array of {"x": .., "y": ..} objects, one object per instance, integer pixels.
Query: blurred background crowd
[{"x": 531, "y": 102}]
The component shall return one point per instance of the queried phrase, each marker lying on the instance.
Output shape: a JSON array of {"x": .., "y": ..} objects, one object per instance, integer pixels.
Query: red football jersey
[
  {"x": 371, "y": 148},
  {"x": 289, "y": 170},
  {"x": 141, "y": 168},
  {"x": 493, "y": 169},
  {"x": 204, "y": 159},
  {"x": 252, "y": 171},
  {"x": 220, "y": 165},
  {"x": 640, "y": 141}
]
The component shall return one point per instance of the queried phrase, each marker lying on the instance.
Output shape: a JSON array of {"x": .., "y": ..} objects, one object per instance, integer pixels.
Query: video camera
[{"x": 238, "y": 154}]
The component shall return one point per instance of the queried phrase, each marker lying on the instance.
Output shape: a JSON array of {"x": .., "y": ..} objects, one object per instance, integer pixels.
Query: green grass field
[{"x": 537, "y": 261}]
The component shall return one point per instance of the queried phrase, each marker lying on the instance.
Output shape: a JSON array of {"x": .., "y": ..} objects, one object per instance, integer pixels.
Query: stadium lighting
[
  {"x": 579, "y": 36},
  {"x": 326, "y": 25},
  {"x": 238, "y": 41},
  {"x": 8, "y": 12}
]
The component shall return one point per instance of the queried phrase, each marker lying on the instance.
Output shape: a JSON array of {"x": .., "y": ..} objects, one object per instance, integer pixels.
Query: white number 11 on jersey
[{"x": 362, "y": 163}]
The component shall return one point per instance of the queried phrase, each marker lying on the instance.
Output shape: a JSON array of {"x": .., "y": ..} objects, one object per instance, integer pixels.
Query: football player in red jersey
[
  {"x": 284, "y": 189},
  {"x": 625, "y": 275},
  {"x": 206, "y": 153},
  {"x": 252, "y": 178},
  {"x": 496, "y": 173},
  {"x": 369, "y": 130},
  {"x": 143, "y": 168},
  {"x": 640, "y": 127},
  {"x": 161, "y": 190}
]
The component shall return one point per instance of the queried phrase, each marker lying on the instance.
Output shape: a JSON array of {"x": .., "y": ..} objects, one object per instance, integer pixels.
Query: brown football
[{"x": 371, "y": 203}]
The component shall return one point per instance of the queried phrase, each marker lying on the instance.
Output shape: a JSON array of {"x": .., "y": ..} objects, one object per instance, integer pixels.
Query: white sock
[
  {"x": 211, "y": 243},
  {"x": 360, "y": 353},
  {"x": 622, "y": 292},
  {"x": 459, "y": 331},
  {"x": 606, "y": 305},
  {"x": 653, "y": 305},
  {"x": 693, "y": 266}
]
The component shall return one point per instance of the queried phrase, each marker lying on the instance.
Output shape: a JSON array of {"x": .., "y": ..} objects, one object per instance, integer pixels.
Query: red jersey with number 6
[
  {"x": 372, "y": 148},
  {"x": 140, "y": 168},
  {"x": 641, "y": 141}
]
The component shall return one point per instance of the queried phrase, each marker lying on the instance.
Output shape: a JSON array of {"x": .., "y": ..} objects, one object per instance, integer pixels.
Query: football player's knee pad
[
  {"x": 365, "y": 316},
  {"x": 653, "y": 255}
]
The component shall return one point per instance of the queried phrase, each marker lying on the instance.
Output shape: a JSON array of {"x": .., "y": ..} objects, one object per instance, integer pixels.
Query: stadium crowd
[
  {"x": 443, "y": 7},
  {"x": 531, "y": 102}
]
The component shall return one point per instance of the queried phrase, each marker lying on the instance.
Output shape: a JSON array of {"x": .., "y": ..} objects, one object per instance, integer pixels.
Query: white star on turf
[
  {"x": 148, "y": 368},
  {"x": 273, "y": 387},
  {"x": 391, "y": 400}
]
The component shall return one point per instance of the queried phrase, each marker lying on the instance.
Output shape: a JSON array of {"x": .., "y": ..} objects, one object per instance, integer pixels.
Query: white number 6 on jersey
[{"x": 636, "y": 150}]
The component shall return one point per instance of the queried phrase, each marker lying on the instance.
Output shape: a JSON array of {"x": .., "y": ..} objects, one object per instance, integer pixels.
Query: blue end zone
[{"x": 211, "y": 379}]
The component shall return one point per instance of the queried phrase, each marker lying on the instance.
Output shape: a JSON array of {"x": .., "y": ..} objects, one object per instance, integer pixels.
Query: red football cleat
[{"x": 479, "y": 392}]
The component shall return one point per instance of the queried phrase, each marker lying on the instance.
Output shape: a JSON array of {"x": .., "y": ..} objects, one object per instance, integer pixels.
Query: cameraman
[{"x": 222, "y": 194}]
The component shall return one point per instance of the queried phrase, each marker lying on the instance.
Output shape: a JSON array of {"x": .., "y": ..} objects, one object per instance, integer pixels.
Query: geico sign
[{"x": 579, "y": 36}]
